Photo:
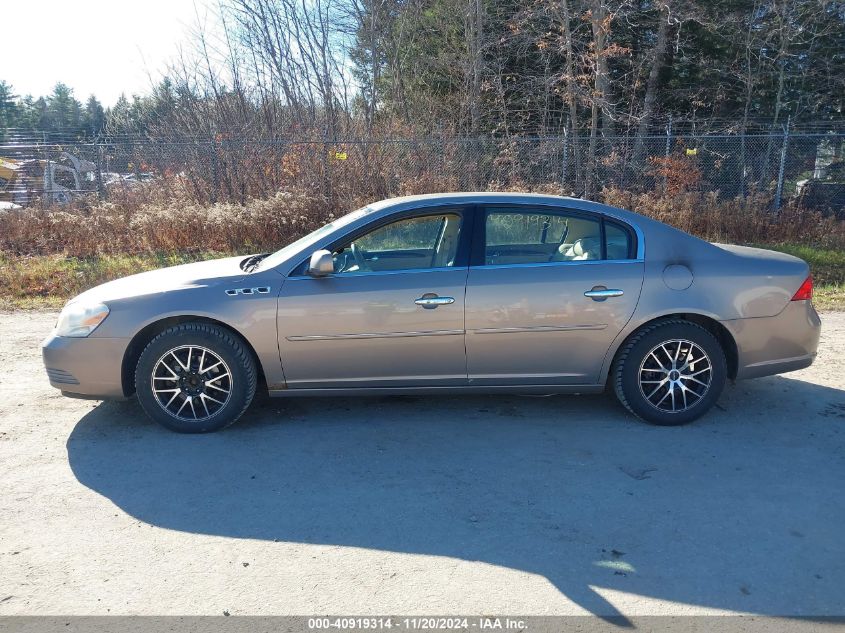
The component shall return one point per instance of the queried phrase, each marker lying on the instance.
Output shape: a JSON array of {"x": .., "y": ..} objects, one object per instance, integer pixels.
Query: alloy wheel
[
  {"x": 191, "y": 383},
  {"x": 675, "y": 375}
]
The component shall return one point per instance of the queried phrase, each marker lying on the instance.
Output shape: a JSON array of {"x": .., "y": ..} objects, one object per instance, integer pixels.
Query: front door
[
  {"x": 391, "y": 314},
  {"x": 528, "y": 319}
]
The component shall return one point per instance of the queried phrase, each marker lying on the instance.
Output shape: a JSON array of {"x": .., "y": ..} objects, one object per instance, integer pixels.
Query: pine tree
[
  {"x": 8, "y": 110},
  {"x": 94, "y": 117}
]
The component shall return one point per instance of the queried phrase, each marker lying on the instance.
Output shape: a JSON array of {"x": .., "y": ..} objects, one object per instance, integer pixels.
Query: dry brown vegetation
[
  {"x": 126, "y": 227},
  {"x": 50, "y": 255},
  {"x": 155, "y": 227},
  {"x": 738, "y": 221}
]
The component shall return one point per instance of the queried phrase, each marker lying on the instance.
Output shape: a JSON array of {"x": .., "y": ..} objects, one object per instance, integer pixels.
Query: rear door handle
[
  {"x": 431, "y": 301},
  {"x": 600, "y": 293}
]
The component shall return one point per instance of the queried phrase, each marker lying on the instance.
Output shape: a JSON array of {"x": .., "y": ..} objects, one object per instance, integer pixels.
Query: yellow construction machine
[{"x": 53, "y": 181}]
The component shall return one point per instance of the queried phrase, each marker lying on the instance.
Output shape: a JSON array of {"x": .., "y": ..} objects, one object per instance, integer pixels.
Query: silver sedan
[{"x": 470, "y": 292}]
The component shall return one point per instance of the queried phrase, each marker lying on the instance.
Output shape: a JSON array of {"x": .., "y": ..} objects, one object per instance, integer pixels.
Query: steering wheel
[{"x": 358, "y": 254}]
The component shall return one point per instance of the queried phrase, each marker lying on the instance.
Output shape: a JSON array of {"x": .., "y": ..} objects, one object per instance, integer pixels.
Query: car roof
[
  {"x": 502, "y": 197},
  {"x": 481, "y": 196}
]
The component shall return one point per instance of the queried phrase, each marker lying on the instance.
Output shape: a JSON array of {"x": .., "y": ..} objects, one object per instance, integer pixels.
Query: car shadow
[{"x": 739, "y": 511}]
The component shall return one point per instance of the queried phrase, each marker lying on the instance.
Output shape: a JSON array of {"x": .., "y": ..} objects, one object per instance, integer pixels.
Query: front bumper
[
  {"x": 89, "y": 366},
  {"x": 778, "y": 344}
]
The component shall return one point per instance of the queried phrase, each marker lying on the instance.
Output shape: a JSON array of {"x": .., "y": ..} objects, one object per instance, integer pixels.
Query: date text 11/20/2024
[{"x": 417, "y": 623}]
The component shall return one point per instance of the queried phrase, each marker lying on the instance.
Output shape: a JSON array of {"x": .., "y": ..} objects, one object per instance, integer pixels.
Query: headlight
[{"x": 80, "y": 319}]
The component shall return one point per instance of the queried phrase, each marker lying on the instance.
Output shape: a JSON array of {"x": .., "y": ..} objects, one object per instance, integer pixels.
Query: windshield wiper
[{"x": 251, "y": 263}]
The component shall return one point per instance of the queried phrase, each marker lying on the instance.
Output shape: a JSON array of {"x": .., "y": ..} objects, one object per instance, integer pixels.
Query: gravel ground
[{"x": 562, "y": 505}]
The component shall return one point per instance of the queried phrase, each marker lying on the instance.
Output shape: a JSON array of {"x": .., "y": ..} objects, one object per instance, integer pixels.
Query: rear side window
[
  {"x": 524, "y": 228},
  {"x": 619, "y": 243},
  {"x": 533, "y": 236}
]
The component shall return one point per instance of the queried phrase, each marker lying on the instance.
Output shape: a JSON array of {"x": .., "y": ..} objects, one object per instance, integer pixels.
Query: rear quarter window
[{"x": 619, "y": 241}]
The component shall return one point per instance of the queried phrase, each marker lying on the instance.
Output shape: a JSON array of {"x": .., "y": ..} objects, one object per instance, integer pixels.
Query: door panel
[
  {"x": 364, "y": 330},
  {"x": 532, "y": 324}
]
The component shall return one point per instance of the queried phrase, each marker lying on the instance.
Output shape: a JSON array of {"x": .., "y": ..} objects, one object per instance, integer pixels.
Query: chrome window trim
[
  {"x": 484, "y": 266},
  {"x": 581, "y": 262},
  {"x": 371, "y": 273}
]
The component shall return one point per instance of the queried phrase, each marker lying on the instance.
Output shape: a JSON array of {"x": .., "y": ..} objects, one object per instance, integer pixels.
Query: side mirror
[{"x": 321, "y": 264}]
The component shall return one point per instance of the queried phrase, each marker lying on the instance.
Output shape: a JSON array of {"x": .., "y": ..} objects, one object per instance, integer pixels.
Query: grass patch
[
  {"x": 829, "y": 298},
  {"x": 48, "y": 281},
  {"x": 828, "y": 269},
  {"x": 827, "y": 265}
]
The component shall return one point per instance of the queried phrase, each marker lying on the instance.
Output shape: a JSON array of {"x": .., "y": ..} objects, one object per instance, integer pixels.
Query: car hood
[{"x": 194, "y": 275}]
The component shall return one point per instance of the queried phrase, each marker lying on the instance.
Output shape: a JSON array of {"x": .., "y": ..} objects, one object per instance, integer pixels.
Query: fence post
[
  {"x": 565, "y": 159},
  {"x": 215, "y": 171},
  {"x": 101, "y": 193},
  {"x": 667, "y": 151},
  {"x": 668, "y": 138},
  {"x": 783, "y": 147},
  {"x": 327, "y": 167},
  {"x": 48, "y": 183}
]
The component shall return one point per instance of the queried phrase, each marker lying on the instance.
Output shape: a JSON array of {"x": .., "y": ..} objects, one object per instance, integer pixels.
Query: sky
[{"x": 100, "y": 47}]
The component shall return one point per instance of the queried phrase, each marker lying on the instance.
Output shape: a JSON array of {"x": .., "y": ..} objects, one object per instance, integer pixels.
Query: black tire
[
  {"x": 625, "y": 373},
  {"x": 228, "y": 347}
]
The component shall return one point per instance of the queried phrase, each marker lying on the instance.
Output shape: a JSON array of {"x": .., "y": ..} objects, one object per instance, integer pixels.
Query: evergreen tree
[
  {"x": 63, "y": 113},
  {"x": 8, "y": 109},
  {"x": 94, "y": 117}
]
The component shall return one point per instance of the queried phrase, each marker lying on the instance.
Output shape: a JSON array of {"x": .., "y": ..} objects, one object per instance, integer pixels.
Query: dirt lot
[{"x": 424, "y": 506}]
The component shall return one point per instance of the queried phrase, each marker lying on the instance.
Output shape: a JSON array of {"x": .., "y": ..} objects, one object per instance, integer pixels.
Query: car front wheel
[
  {"x": 670, "y": 373},
  {"x": 195, "y": 378}
]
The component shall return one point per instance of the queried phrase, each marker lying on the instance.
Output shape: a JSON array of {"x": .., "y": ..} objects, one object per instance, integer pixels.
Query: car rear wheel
[
  {"x": 670, "y": 373},
  {"x": 195, "y": 378}
]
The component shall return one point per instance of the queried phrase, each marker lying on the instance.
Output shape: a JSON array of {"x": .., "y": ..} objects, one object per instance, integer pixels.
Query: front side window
[
  {"x": 412, "y": 243},
  {"x": 534, "y": 236}
]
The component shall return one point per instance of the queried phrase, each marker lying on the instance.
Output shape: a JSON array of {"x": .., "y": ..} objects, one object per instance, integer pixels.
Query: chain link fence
[{"x": 807, "y": 168}]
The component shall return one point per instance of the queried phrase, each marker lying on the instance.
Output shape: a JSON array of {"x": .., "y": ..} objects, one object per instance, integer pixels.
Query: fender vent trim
[{"x": 260, "y": 290}]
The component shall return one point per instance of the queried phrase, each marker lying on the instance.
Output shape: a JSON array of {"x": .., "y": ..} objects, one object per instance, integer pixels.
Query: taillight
[{"x": 805, "y": 292}]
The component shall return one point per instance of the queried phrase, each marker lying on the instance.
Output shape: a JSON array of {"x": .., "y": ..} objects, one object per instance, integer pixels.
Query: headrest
[{"x": 580, "y": 247}]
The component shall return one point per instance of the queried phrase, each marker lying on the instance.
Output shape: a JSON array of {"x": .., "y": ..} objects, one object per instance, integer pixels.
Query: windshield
[{"x": 291, "y": 249}]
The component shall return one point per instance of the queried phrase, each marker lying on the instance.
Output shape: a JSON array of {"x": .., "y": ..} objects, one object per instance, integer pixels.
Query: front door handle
[
  {"x": 600, "y": 293},
  {"x": 430, "y": 301}
]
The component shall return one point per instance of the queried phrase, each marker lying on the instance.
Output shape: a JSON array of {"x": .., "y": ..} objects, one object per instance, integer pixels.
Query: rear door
[
  {"x": 548, "y": 291},
  {"x": 392, "y": 313}
]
